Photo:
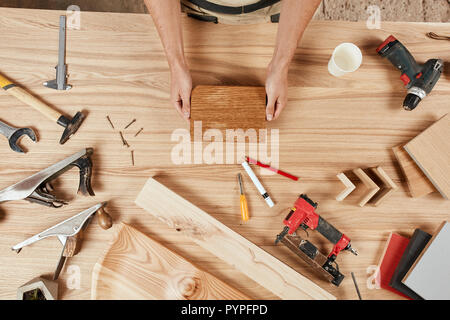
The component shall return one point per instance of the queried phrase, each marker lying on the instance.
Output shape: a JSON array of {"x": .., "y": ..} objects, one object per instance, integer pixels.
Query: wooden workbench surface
[{"x": 118, "y": 68}]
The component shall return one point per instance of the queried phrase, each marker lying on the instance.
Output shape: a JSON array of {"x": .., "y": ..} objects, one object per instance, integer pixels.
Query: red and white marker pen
[{"x": 262, "y": 165}]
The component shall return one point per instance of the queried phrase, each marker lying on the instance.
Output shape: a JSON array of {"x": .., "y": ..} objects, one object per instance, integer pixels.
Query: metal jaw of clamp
[
  {"x": 67, "y": 232},
  {"x": 37, "y": 187}
]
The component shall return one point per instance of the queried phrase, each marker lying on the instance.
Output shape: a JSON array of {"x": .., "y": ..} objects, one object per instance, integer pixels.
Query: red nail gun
[{"x": 302, "y": 215}]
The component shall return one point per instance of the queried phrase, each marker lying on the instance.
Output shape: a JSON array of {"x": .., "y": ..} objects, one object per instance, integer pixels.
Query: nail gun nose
[{"x": 354, "y": 251}]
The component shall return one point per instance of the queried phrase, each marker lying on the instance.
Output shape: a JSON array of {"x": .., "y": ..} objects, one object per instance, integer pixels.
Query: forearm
[
  {"x": 294, "y": 18},
  {"x": 167, "y": 18}
]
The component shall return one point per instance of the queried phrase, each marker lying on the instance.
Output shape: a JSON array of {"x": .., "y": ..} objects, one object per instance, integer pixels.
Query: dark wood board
[{"x": 228, "y": 107}]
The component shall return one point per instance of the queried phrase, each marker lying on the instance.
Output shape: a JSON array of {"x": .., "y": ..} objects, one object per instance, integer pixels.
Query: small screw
[
  {"x": 140, "y": 130},
  {"x": 132, "y": 157},
  {"x": 125, "y": 143},
  {"x": 110, "y": 122},
  {"x": 134, "y": 120}
]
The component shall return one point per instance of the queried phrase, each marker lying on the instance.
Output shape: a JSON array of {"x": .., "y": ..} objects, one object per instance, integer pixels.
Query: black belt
[{"x": 233, "y": 10}]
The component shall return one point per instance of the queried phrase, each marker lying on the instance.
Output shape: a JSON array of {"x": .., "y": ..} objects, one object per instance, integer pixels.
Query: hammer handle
[{"x": 29, "y": 99}]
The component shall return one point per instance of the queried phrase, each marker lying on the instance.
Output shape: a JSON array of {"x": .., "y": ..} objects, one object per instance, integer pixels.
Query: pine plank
[
  {"x": 418, "y": 183},
  {"x": 226, "y": 244},
  {"x": 136, "y": 267},
  {"x": 431, "y": 152}
]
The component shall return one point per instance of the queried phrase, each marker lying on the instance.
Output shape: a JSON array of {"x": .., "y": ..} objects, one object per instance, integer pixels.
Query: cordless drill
[
  {"x": 303, "y": 215},
  {"x": 418, "y": 79}
]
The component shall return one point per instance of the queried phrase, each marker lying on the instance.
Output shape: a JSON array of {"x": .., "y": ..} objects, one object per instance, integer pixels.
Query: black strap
[
  {"x": 233, "y": 10},
  {"x": 203, "y": 17}
]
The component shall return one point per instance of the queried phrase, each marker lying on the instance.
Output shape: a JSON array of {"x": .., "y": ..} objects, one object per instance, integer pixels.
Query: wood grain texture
[
  {"x": 388, "y": 188},
  {"x": 136, "y": 267},
  {"x": 228, "y": 108},
  {"x": 226, "y": 244},
  {"x": 371, "y": 186},
  {"x": 418, "y": 183},
  {"x": 431, "y": 152},
  {"x": 349, "y": 187},
  {"x": 118, "y": 68}
]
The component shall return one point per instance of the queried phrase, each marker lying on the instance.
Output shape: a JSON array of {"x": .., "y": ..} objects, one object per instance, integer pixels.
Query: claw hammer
[{"x": 70, "y": 125}]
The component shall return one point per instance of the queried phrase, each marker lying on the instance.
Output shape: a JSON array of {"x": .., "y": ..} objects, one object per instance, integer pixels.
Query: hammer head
[
  {"x": 71, "y": 126},
  {"x": 17, "y": 135}
]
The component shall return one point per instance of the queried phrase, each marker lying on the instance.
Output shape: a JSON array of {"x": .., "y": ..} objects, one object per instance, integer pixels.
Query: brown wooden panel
[{"x": 228, "y": 107}]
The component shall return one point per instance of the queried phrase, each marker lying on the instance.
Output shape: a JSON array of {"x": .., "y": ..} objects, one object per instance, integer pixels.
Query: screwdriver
[{"x": 244, "y": 208}]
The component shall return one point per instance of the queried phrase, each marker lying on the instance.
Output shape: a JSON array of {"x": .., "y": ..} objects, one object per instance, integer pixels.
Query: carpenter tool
[
  {"x": 68, "y": 233},
  {"x": 37, "y": 187},
  {"x": 419, "y": 79},
  {"x": 60, "y": 83},
  {"x": 303, "y": 216},
  {"x": 243, "y": 201},
  {"x": 70, "y": 125},
  {"x": 266, "y": 166},
  {"x": 15, "y": 134},
  {"x": 258, "y": 184}
]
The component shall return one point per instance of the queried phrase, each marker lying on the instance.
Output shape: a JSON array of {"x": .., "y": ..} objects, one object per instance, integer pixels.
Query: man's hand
[
  {"x": 276, "y": 90},
  {"x": 180, "y": 93},
  {"x": 295, "y": 16},
  {"x": 167, "y": 18}
]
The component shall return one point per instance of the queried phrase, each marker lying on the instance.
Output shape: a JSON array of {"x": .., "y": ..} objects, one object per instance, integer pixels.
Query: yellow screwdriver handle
[
  {"x": 4, "y": 81},
  {"x": 244, "y": 208}
]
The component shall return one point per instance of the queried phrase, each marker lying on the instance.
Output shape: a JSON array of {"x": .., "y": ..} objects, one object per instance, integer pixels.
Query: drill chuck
[{"x": 412, "y": 99}]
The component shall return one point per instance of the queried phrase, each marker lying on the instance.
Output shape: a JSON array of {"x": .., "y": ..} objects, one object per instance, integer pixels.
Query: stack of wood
[
  {"x": 417, "y": 267},
  {"x": 425, "y": 160}
]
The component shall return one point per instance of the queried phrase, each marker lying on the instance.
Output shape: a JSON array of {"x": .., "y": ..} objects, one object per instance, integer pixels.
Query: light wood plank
[
  {"x": 226, "y": 244},
  {"x": 431, "y": 152},
  {"x": 418, "y": 183},
  {"x": 136, "y": 267}
]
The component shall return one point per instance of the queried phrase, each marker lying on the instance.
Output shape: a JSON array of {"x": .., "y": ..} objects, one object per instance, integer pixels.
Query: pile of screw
[{"x": 125, "y": 142}]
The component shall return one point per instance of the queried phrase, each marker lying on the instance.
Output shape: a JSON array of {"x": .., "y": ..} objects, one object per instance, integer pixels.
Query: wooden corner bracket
[
  {"x": 349, "y": 187},
  {"x": 371, "y": 186}
]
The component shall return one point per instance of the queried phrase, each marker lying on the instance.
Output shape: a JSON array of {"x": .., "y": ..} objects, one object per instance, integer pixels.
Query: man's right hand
[{"x": 180, "y": 93}]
